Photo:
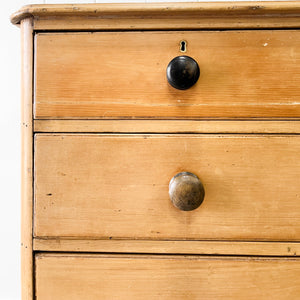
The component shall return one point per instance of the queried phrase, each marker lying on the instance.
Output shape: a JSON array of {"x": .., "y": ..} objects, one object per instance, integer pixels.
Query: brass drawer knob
[
  {"x": 183, "y": 72},
  {"x": 186, "y": 191}
]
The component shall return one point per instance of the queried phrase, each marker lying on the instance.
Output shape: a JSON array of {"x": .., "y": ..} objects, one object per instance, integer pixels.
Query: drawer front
[
  {"x": 123, "y": 75},
  {"x": 165, "y": 277},
  {"x": 116, "y": 186}
]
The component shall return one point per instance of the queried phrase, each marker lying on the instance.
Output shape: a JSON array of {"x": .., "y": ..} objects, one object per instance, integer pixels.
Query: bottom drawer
[{"x": 91, "y": 276}]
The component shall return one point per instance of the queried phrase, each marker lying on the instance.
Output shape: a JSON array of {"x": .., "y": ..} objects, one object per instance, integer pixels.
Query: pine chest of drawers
[{"x": 161, "y": 151}]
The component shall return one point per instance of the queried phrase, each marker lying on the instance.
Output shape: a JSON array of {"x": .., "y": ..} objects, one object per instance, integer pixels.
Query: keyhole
[{"x": 183, "y": 46}]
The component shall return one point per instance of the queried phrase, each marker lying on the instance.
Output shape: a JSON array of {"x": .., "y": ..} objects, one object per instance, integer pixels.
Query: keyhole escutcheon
[{"x": 183, "y": 45}]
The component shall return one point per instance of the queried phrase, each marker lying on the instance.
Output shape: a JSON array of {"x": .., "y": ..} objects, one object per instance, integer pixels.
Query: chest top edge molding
[{"x": 198, "y": 10}]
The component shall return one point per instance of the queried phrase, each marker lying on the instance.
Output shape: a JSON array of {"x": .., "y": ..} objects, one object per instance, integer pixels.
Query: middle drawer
[{"x": 116, "y": 186}]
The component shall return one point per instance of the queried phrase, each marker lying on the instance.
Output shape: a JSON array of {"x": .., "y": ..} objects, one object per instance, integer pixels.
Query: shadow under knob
[
  {"x": 186, "y": 191},
  {"x": 183, "y": 72}
]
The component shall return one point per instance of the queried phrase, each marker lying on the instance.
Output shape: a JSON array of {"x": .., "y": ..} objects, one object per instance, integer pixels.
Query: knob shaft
[
  {"x": 183, "y": 72},
  {"x": 186, "y": 191}
]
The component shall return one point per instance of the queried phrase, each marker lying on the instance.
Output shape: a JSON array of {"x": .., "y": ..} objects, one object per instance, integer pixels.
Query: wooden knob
[
  {"x": 183, "y": 72},
  {"x": 186, "y": 191}
]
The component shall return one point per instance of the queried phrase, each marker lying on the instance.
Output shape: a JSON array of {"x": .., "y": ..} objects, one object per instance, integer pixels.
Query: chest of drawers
[{"x": 161, "y": 151}]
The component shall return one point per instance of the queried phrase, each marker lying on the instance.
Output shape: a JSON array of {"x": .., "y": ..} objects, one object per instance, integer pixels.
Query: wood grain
[
  {"x": 165, "y": 277},
  {"x": 27, "y": 161},
  {"x": 244, "y": 74},
  {"x": 167, "y": 126},
  {"x": 167, "y": 247},
  {"x": 198, "y": 21},
  {"x": 116, "y": 186},
  {"x": 160, "y": 15},
  {"x": 101, "y": 69}
]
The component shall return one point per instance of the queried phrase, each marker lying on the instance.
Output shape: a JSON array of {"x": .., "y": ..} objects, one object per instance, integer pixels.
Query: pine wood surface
[
  {"x": 165, "y": 277},
  {"x": 27, "y": 160},
  {"x": 254, "y": 14},
  {"x": 167, "y": 126},
  {"x": 167, "y": 247},
  {"x": 99, "y": 69},
  {"x": 116, "y": 186},
  {"x": 244, "y": 74},
  {"x": 199, "y": 22}
]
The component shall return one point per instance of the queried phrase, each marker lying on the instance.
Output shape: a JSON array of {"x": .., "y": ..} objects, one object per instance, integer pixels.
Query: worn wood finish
[
  {"x": 111, "y": 133},
  {"x": 244, "y": 74},
  {"x": 165, "y": 277},
  {"x": 162, "y": 23},
  {"x": 27, "y": 161},
  {"x": 168, "y": 247},
  {"x": 167, "y": 10},
  {"x": 170, "y": 126},
  {"x": 117, "y": 186},
  {"x": 162, "y": 15}
]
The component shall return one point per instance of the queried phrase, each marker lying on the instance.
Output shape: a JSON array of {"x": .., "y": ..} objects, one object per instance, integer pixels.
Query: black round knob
[
  {"x": 183, "y": 72},
  {"x": 186, "y": 191}
]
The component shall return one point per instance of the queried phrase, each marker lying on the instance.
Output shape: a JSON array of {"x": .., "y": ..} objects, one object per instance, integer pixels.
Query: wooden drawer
[
  {"x": 116, "y": 186},
  {"x": 165, "y": 277},
  {"x": 244, "y": 74}
]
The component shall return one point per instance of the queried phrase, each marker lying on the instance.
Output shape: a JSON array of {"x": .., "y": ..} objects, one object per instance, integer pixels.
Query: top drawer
[{"x": 243, "y": 74}]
